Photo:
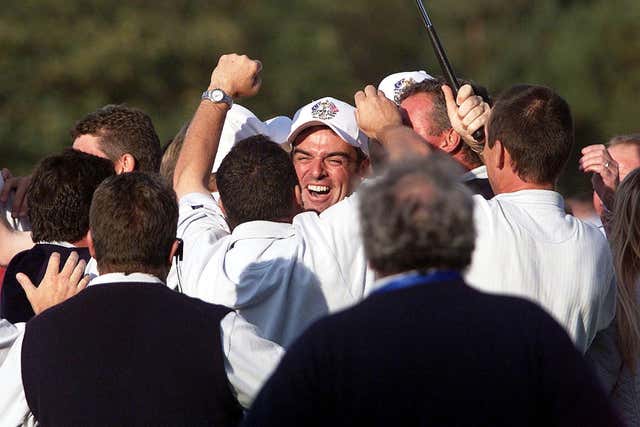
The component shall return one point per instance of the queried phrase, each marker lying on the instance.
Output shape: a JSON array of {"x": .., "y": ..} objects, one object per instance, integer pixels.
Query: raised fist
[
  {"x": 237, "y": 75},
  {"x": 467, "y": 113},
  {"x": 374, "y": 111}
]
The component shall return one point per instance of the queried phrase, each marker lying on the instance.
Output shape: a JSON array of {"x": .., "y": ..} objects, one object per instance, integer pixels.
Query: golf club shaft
[{"x": 446, "y": 67}]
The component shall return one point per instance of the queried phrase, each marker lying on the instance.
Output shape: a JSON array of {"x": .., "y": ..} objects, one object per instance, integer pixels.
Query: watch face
[{"x": 217, "y": 95}]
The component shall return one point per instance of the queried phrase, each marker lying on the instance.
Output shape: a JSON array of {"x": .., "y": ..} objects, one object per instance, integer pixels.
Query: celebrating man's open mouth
[{"x": 317, "y": 190}]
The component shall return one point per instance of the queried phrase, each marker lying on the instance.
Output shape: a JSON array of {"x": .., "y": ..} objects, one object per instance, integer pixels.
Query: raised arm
[
  {"x": 380, "y": 119},
  {"x": 605, "y": 177},
  {"x": 17, "y": 185},
  {"x": 12, "y": 242},
  {"x": 467, "y": 113},
  {"x": 236, "y": 76}
]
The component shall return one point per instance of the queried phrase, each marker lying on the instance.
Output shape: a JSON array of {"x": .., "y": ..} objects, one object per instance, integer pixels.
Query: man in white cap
[
  {"x": 395, "y": 84},
  {"x": 423, "y": 108},
  {"x": 329, "y": 152},
  {"x": 280, "y": 267},
  {"x": 241, "y": 123}
]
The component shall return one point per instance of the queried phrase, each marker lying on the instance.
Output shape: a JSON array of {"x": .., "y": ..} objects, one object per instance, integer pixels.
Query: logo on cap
[
  {"x": 324, "y": 110},
  {"x": 400, "y": 86}
]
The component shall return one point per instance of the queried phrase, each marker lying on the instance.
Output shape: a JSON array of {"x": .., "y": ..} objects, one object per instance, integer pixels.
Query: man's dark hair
[
  {"x": 123, "y": 130},
  {"x": 60, "y": 192},
  {"x": 439, "y": 117},
  {"x": 535, "y": 126},
  {"x": 256, "y": 181},
  {"x": 418, "y": 216},
  {"x": 133, "y": 222}
]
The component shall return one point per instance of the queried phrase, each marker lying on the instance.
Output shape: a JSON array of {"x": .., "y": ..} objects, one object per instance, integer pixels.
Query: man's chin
[{"x": 313, "y": 204}]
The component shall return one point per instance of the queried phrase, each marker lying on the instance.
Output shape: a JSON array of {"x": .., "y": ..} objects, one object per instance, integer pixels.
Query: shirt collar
[
  {"x": 125, "y": 278},
  {"x": 536, "y": 197},
  {"x": 263, "y": 229},
  {"x": 55, "y": 242},
  {"x": 413, "y": 278},
  {"x": 478, "y": 173},
  {"x": 385, "y": 280}
]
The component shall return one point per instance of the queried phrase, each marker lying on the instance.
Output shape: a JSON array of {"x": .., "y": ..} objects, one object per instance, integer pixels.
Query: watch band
[{"x": 217, "y": 96}]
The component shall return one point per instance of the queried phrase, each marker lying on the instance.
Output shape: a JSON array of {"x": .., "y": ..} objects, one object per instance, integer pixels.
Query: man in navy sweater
[
  {"x": 425, "y": 349},
  {"x": 128, "y": 350}
]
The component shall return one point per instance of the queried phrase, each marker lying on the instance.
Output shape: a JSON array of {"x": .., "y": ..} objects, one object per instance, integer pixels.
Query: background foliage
[{"x": 61, "y": 60}]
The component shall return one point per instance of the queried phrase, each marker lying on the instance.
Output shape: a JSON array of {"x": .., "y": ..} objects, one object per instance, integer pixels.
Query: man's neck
[
  {"x": 462, "y": 161},
  {"x": 82, "y": 243},
  {"x": 160, "y": 273}
]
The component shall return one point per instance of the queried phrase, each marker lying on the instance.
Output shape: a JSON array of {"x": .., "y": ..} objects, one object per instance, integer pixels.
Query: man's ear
[
  {"x": 92, "y": 249},
  {"x": 126, "y": 163},
  {"x": 176, "y": 248},
  {"x": 503, "y": 156},
  {"x": 213, "y": 184},
  {"x": 364, "y": 169},
  {"x": 451, "y": 141}
]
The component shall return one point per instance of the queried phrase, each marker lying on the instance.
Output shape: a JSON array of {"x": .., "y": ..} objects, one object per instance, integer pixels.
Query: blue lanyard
[{"x": 419, "y": 279}]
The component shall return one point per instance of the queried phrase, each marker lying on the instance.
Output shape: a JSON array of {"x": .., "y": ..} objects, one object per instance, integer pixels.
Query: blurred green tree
[{"x": 61, "y": 60}]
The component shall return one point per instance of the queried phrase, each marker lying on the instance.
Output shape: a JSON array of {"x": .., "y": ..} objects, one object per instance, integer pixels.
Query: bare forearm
[
  {"x": 401, "y": 142},
  {"x": 199, "y": 150},
  {"x": 235, "y": 75},
  {"x": 380, "y": 119}
]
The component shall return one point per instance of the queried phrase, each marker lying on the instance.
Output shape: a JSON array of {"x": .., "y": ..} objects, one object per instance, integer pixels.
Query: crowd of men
[{"x": 354, "y": 264}]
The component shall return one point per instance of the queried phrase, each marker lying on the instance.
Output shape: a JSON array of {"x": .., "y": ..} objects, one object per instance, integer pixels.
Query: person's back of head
[
  {"x": 257, "y": 182},
  {"x": 625, "y": 150},
  {"x": 123, "y": 130},
  {"x": 535, "y": 126},
  {"x": 418, "y": 216},
  {"x": 60, "y": 192},
  {"x": 171, "y": 152},
  {"x": 133, "y": 224}
]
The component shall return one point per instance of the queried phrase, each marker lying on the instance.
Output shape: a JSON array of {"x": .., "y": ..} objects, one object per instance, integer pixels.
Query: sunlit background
[{"x": 62, "y": 59}]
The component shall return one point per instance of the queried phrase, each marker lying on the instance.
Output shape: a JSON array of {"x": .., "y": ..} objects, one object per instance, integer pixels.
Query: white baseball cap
[
  {"x": 278, "y": 129},
  {"x": 339, "y": 116},
  {"x": 395, "y": 84},
  {"x": 241, "y": 123}
]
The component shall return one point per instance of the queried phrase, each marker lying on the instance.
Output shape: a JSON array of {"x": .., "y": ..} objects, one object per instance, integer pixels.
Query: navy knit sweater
[
  {"x": 14, "y": 305},
  {"x": 128, "y": 354},
  {"x": 437, "y": 354}
]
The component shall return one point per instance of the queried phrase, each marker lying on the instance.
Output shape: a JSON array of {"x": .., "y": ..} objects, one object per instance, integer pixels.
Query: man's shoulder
[
  {"x": 429, "y": 298},
  {"x": 419, "y": 317},
  {"x": 41, "y": 252},
  {"x": 115, "y": 299}
]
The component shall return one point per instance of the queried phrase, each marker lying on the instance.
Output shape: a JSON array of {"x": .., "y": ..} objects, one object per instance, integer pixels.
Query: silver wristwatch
[{"x": 217, "y": 96}]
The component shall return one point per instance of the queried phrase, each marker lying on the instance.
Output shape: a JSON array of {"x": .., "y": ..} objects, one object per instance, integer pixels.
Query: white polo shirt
[
  {"x": 528, "y": 246},
  {"x": 279, "y": 276}
]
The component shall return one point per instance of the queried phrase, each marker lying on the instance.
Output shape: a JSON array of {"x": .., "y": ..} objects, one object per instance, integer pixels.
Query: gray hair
[
  {"x": 631, "y": 139},
  {"x": 417, "y": 216}
]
